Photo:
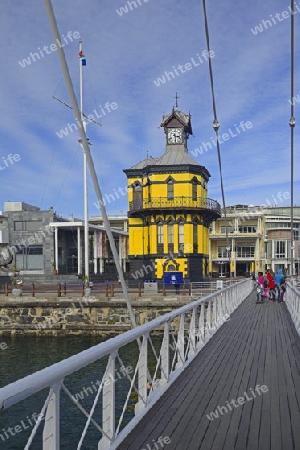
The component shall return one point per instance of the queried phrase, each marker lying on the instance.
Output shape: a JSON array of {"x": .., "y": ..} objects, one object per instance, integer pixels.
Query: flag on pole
[{"x": 82, "y": 57}]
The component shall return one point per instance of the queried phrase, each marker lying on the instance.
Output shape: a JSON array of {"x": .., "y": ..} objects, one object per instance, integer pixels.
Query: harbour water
[{"x": 24, "y": 356}]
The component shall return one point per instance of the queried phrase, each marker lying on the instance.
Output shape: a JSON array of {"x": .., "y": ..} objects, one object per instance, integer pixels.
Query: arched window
[
  {"x": 170, "y": 190},
  {"x": 181, "y": 238},
  {"x": 194, "y": 189},
  {"x": 137, "y": 196},
  {"x": 195, "y": 237},
  {"x": 170, "y": 237},
  {"x": 160, "y": 237}
]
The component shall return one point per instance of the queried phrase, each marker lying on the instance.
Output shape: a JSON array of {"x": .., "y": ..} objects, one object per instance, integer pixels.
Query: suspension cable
[
  {"x": 216, "y": 126},
  {"x": 292, "y": 124}
]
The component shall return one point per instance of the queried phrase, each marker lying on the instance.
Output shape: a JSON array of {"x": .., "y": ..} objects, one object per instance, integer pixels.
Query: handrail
[
  {"x": 165, "y": 202},
  {"x": 292, "y": 299},
  {"x": 190, "y": 327}
]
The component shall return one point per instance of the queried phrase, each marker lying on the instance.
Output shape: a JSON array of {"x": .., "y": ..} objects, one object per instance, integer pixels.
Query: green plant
[
  {"x": 110, "y": 322},
  {"x": 85, "y": 280},
  {"x": 14, "y": 268}
]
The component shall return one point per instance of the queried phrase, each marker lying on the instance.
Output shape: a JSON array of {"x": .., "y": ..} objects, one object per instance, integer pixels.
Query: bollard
[
  {"x": 59, "y": 290},
  {"x": 190, "y": 290},
  {"x": 106, "y": 290},
  {"x": 82, "y": 290},
  {"x": 6, "y": 289},
  {"x": 65, "y": 288},
  {"x": 32, "y": 290},
  {"x": 164, "y": 290},
  {"x": 112, "y": 290},
  {"x": 139, "y": 290}
]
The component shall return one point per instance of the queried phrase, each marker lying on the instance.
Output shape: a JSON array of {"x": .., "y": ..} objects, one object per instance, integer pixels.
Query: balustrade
[{"x": 184, "y": 332}]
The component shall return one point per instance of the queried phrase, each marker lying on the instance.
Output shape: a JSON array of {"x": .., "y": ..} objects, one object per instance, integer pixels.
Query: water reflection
[{"x": 27, "y": 355}]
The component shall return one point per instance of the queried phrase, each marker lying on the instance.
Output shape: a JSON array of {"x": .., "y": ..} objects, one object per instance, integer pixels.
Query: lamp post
[{"x": 228, "y": 248}]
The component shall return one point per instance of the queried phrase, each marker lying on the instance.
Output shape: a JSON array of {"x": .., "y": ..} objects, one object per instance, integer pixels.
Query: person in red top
[{"x": 271, "y": 285}]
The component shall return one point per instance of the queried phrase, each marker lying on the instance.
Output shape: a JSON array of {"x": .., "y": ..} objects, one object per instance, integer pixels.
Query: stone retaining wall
[{"x": 77, "y": 316}]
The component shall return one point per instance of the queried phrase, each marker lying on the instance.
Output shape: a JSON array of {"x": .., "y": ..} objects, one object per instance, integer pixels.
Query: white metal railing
[
  {"x": 203, "y": 288},
  {"x": 184, "y": 332},
  {"x": 292, "y": 299}
]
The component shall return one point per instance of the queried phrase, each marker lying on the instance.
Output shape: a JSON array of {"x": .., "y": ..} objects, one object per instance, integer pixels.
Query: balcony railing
[{"x": 177, "y": 202}]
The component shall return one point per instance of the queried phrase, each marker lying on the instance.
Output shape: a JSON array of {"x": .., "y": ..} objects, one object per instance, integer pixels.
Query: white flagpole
[{"x": 86, "y": 212}]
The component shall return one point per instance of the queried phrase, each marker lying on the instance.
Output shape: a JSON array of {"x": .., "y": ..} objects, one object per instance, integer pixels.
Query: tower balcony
[{"x": 149, "y": 206}]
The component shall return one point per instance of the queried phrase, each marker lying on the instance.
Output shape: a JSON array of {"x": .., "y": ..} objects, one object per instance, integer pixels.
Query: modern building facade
[
  {"x": 277, "y": 237},
  {"x": 41, "y": 241},
  {"x": 257, "y": 238},
  {"x": 169, "y": 212}
]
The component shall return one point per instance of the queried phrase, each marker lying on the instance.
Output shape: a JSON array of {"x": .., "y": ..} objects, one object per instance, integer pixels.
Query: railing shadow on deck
[{"x": 183, "y": 333}]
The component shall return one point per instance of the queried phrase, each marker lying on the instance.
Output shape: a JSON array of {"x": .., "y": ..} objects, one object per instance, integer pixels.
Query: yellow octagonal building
[{"x": 169, "y": 213}]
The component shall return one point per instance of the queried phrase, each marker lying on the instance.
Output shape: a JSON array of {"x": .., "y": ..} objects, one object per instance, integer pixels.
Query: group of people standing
[{"x": 271, "y": 286}]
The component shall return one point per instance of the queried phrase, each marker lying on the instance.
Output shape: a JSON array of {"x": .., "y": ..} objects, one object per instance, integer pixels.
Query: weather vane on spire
[{"x": 176, "y": 98}]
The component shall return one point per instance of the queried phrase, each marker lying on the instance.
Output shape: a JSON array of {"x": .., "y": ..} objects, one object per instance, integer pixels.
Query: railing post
[
  {"x": 214, "y": 312},
  {"x": 106, "y": 290},
  {"x": 180, "y": 343},
  {"x": 32, "y": 290},
  {"x": 139, "y": 290},
  {"x": 65, "y": 288},
  {"x": 164, "y": 290},
  {"x": 221, "y": 309},
  {"x": 142, "y": 376},
  {"x": 108, "y": 404},
  {"x": 208, "y": 319},
  {"x": 51, "y": 427},
  {"x": 165, "y": 351},
  {"x": 82, "y": 290},
  {"x": 201, "y": 330},
  {"x": 192, "y": 336},
  {"x": 112, "y": 290},
  {"x": 6, "y": 289},
  {"x": 59, "y": 290}
]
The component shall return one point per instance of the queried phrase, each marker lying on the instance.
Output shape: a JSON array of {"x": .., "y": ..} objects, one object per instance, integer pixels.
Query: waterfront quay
[{"x": 63, "y": 309}]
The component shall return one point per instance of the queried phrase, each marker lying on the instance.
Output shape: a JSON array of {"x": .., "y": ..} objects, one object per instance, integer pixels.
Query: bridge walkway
[{"x": 248, "y": 375}]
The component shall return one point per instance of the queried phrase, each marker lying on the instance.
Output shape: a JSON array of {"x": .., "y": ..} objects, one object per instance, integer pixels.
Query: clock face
[{"x": 174, "y": 136}]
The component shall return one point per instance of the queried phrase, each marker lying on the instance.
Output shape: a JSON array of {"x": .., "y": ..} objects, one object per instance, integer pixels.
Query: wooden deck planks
[
  {"x": 192, "y": 381},
  {"x": 258, "y": 346}
]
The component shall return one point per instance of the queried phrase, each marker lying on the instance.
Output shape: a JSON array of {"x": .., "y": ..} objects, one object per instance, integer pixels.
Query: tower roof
[
  {"x": 175, "y": 157},
  {"x": 184, "y": 119},
  {"x": 169, "y": 158}
]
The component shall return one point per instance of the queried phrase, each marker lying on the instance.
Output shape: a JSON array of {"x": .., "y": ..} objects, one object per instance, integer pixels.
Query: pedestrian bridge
[{"x": 220, "y": 373}]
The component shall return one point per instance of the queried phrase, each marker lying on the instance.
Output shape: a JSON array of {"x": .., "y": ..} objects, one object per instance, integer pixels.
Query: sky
[{"x": 136, "y": 63}]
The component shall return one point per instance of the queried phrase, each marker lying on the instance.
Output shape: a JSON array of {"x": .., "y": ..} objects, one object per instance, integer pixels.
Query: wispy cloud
[{"x": 124, "y": 56}]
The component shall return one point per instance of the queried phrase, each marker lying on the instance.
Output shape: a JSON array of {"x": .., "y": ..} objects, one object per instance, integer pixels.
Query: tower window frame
[
  {"x": 195, "y": 237},
  {"x": 194, "y": 189},
  {"x": 170, "y": 189},
  {"x": 137, "y": 196},
  {"x": 160, "y": 237},
  {"x": 170, "y": 237}
]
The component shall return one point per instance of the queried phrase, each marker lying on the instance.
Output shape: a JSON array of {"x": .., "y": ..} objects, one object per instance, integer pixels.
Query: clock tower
[
  {"x": 169, "y": 213},
  {"x": 177, "y": 126}
]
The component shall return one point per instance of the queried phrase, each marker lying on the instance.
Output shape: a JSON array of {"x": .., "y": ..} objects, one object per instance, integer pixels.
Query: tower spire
[{"x": 176, "y": 100}]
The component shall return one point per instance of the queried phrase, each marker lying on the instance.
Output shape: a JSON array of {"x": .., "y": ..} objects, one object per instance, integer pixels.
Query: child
[
  {"x": 282, "y": 289},
  {"x": 260, "y": 287},
  {"x": 271, "y": 286},
  {"x": 266, "y": 290}
]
